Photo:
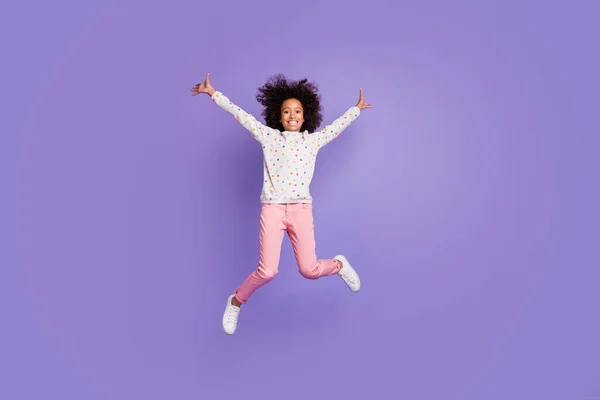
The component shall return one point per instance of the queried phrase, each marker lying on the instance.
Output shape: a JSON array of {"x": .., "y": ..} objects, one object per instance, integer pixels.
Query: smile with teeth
[{"x": 293, "y": 122}]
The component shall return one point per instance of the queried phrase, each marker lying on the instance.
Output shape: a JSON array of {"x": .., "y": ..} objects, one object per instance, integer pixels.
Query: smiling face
[{"x": 292, "y": 115}]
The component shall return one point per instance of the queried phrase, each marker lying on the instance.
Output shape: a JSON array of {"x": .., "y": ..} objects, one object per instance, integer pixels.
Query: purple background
[{"x": 466, "y": 198}]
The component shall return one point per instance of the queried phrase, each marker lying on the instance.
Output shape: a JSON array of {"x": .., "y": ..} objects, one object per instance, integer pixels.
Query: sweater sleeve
[
  {"x": 257, "y": 129},
  {"x": 332, "y": 131}
]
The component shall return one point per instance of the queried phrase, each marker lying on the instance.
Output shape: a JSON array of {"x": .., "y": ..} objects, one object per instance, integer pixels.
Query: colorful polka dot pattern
[{"x": 289, "y": 157}]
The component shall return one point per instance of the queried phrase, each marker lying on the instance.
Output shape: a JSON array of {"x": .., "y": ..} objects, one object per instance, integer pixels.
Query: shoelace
[
  {"x": 232, "y": 315},
  {"x": 347, "y": 276}
]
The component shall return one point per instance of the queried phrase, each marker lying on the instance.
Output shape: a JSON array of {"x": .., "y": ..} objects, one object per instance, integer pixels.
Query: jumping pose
[{"x": 290, "y": 142}]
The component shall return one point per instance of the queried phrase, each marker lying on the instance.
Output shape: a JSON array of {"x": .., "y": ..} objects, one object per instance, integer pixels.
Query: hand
[
  {"x": 361, "y": 102},
  {"x": 204, "y": 87}
]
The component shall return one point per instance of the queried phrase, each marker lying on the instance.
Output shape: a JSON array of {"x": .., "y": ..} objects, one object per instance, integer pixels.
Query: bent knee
[
  {"x": 266, "y": 273},
  {"x": 309, "y": 271}
]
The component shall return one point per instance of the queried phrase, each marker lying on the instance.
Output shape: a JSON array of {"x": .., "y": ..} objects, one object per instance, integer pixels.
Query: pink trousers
[{"x": 297, "y": 221}]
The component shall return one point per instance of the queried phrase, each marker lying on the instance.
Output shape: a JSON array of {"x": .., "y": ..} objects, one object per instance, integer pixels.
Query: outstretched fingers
[{"x": 196, "y": 90}]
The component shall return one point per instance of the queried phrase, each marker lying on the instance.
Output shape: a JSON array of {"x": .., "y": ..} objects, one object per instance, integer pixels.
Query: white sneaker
[
  {"x": 230, "y": 316},
  {"x": 348, "y": 274}
]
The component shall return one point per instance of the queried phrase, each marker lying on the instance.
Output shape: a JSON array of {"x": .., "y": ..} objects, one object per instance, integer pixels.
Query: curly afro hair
[{"x": 278, "y": 89}]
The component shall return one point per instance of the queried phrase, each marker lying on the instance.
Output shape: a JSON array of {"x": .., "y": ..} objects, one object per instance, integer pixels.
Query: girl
[{"x": 292, "y": 112}]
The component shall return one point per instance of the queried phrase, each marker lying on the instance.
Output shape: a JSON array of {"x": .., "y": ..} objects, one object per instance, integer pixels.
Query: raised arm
[
  {"x": 245, "y": 119},
  {"x": 330, "y": 132}
]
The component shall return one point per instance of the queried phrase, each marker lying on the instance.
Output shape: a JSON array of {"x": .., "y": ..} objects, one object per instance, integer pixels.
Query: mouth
[{"x": 292, "y": 123}]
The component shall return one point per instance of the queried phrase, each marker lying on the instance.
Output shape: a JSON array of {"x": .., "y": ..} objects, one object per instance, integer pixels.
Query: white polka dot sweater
[{"x": 289, "y": 157}]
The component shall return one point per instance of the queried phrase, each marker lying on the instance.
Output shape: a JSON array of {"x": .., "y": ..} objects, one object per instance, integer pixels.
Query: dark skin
[
  {"x": 292, "y": 116},
  {"x": 206, "y": 87}
]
